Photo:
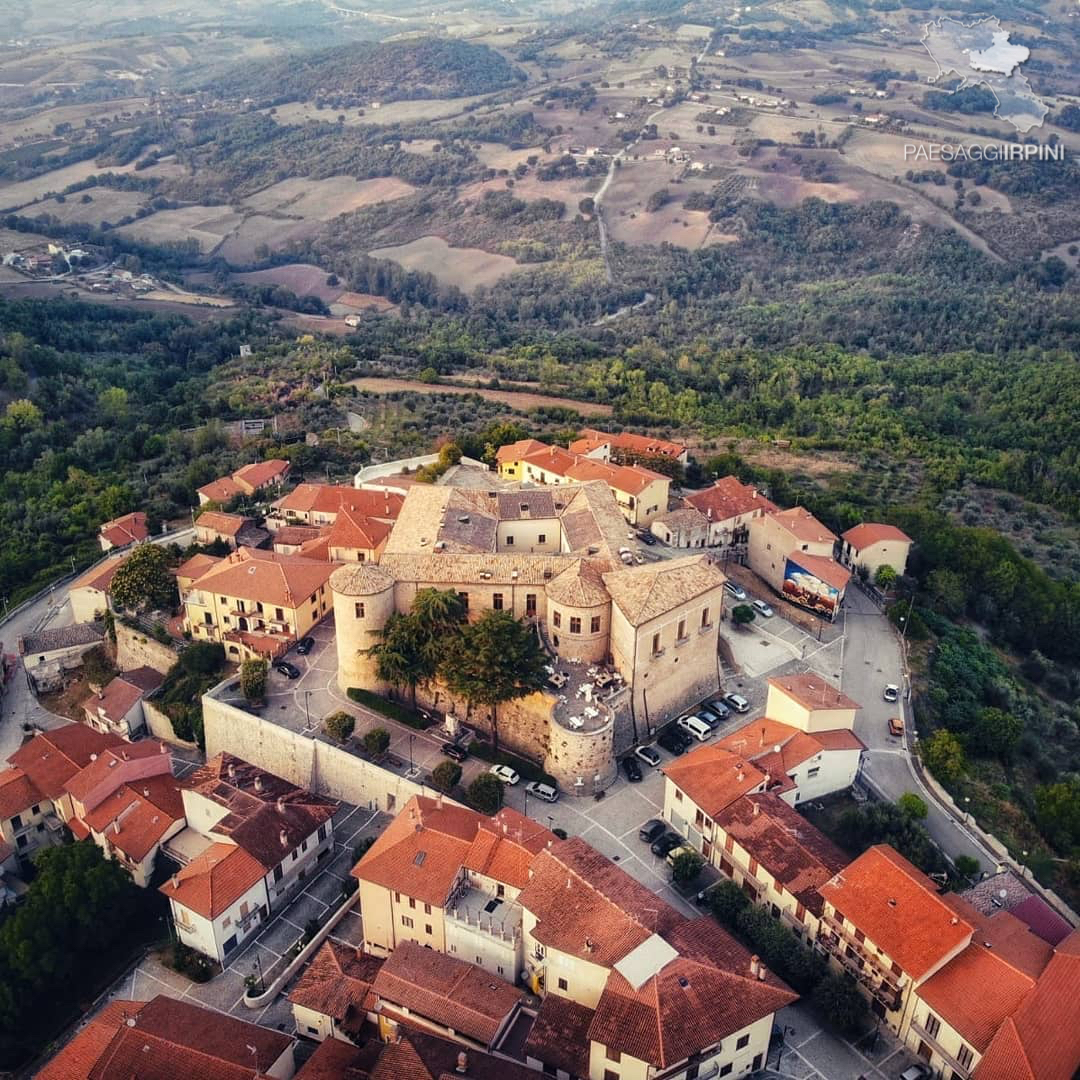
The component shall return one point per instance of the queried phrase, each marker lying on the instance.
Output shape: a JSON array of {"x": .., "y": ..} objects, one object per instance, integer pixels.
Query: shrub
[
  {"x": 967, "y": 866},
  {"x": 686, "y": 867},
  {"x": 840, "y": 1004},
  {"x": 742, "y": 615},
  {"x": 377, "y": 741},
  {"x": 912, "y": 806},
  {"x": 253, "y": 679},
  {"x": 727, "y": 901},
  {"x": 485, "y": 793},
  {"x": 390, "y": 709},
  {"x": 446, "y": 776},
  {"x": 339, "y": 725}
]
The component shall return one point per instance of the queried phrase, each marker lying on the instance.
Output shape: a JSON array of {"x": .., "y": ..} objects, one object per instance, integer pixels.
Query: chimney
[
  {"x": 283, "y": 836},
  {"x": 742, "y": 776},
  {"x": 755, "y": 966},
  {"x": 757, "y": 809},
  {"x": 281, "y": 804},
  {"x": 953, "y": 921},
  {"x": 146, "y": 793},
  {"x": 93, "y": 757},
  {"x": 116, "y": 827},
  {"x": 162, "y": 748},
  {"x": 438, "y": 801},
  {"x": 761, "y": 742},
  {"x": 462, "y": 1066},
  {"x": 175, "y": 882},
  {"x": 258, "y": 782}
]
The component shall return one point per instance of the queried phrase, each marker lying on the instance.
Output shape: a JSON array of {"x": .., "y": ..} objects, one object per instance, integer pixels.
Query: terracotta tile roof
[
  {"x": 222, "y": 524},
  {"x": 898, "y": 908},
  {"x": 100, "y": 577},
  {"x": 804, "y": 526},
  {"x": 337, "y": 1060},
  {"x": 504, "y": 847},
  {"x": 728, "y": 498},
  {"x": 785, "y": 844},
  {"x": 515, "y": 451},
  {"x": 82, "y": 1053},
  {"x": 129, "y": 529},
  {"x": 260, "y": 473},
  {"x": 1042, "y": 919},
  {"x": 441, "y": 988},
  {"x": 629, "y": 479},
  {"x": 560, "y": 1035},
  {"x": 295, "y": 535},
  {"x": 327, "y": 499},
  {"x": 812, "y": 692},
  {"x": 213, "y": 881},
  {"x": 52, "y": 758},
  {"x": 839, "y": 739},
  {"x": 192, "y": 569},
  {"x": 643, "y": 593},
  {"x": 862, "y": 536},
  {"x": 337, "y": 983},
  {"x": 587, "y": 445},
  {"x": 685, "y": 517},
  {"x": 579, "y": 585},
  {"x": 353, "y": 529},
  {"x": 553, "y": 459},
  {"x": 267, "y": 821},
  {"x": 825, "y": 569},
  {"x": 145, "y": 678},
  {"x": 1039, "y": 1042},
  {"x": 17, "y": 793},
  {"x": 266, "y": 576},
  {"x": 116, "y": 699},
  {"x": 417, "y": 1054},
  {"x": 110, "y": 761},
  {"x": 221, "y": 490},
  {"x": 145, "y": 811},
  {"x": 695, "y": 1001},
  {"x": 757, "y": 742},
  {"x": 637, "y": 444},
  {"x": 586, "y": 906},
  {"x": 713, "y": 777}
]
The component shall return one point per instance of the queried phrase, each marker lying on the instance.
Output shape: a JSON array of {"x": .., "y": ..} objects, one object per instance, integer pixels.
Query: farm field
[
  {"x": 20, "y": 193},
  {"x": 303, "y": 112},
  {"x": 467, "y": 268},
  {"x": 322, "y": 200},
  {"x": 516, "y": 399},
  {"x": 104, "y": 204},
  {"x": 207, "y": 225}
]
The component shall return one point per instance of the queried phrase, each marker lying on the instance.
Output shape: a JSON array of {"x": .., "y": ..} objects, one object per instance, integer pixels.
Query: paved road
[{"x": 873, "y": 659}]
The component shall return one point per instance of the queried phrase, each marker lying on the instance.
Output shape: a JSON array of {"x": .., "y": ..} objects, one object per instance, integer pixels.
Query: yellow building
[
  {"x": 510, "y": 459},
  {"x": 256, "y": 603},
  {"x": 871, "y": 546}
]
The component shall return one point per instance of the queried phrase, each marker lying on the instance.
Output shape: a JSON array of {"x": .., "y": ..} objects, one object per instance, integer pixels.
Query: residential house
[
  {"x": 232, "y": 529},
  {"x": 49, "y": 655},
  {"x": 88, "y": 594},
  {"x": 250, "y": 842},
  {"x": 319, "y": 504},
  {"x": 793, "y": 553},
  {"x": 626, "y": 446},
  {"x": 166, "y": 1038},
  {"x": 870, "y": 546},
  {"x": 34, "y": 803},
  {"x": 123, "y": 531},
  {"x": 730, "y": 506},
  {"x": 509, "y": 459},
  {"x": 118, "y": 706},
  {"x": 332, "y": 998},
  {"x": 247, "y": 480},
  {"x": 256, "y": 603},
  {"x": 290, "y": 538},
  {"x": 681, "y": 528}
]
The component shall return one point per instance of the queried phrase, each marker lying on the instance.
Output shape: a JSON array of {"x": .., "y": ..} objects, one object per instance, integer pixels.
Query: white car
[
  {"x": 762, "y": 609},
  {"x": 892, "y": 692},
  {"x": 648, "y": 755},
  {"x": 735, "y": 590},
  {"x": 542, "y": 791},
  {"x": 505, "y": 774}
]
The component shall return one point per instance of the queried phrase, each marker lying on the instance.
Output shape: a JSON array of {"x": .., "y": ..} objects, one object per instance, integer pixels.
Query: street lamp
[
  {"x": 307, "y": 711},
  {"x": 257, "y": 967},
  {"x": 412, "y": 739}
]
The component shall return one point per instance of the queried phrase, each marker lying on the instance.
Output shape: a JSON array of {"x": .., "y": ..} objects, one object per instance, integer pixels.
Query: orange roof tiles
[
  {"x": 353, "y": 529},
  {"x": 629, "y": 479},
  {"x": 803, "y": 525},
  {"x": 100, "y": 577},
  {"x": 448, "y": 991},
  {"x": 109, "y": 762},
  {"x": 222, "y": 524},
  {"x": 586, "y": 906},
  {"x": 17, "y": 793},
  {"x": 81, "y": 1054},
  {"x": 505, "y": 846},
  {"x": 129, "y": 529},
  {"x": 221, "y": 490},
  {"x": 192, "y": 569},
  {"x": 277, "y": 580},
  {"x": 869, "y": 533},
  {"x": 898, "y": 908},
  {"x": 757, "y": 742},
  {"x": 714, "y": 777},
  {"x": 813, "y": 692},
  {"x": 728, "y": 498},
  {"x": 213, "y": 881},
  {"x": 647, "y": 445},
  {"x": 823, "y": 568},
  {"x": 552, "y": 458},
  {"x": 328, "y": 499},
  {"x": 144, "y": 811},
  {"x": 515, "y": 451},
  {"x": 260, "y": 473},
  {"x": 51, "y": 758},
  {"x": 559, "y": 1036},
  {"x": 116, "y": 699},
  {"x": 337, "y": 983}
]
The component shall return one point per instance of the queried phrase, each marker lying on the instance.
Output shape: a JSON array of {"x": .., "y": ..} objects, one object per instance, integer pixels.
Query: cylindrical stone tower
[
  {"x": 363, "y": 601},
  {"x": 582, "y": 760}
]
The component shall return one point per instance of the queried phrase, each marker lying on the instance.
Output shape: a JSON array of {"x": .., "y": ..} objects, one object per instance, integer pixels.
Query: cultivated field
[
  {"x": 105, "y": 205},
  {"x": 304, "y": 279},
  {"x": 303, "y": 112},
  {"x": 208, "y": 225},
  {"x": 22, "y": 192},
  {"x": 321, "y": 200},
  {"x": 516, "y": 399},
  {"x": 467, "y": 268}
]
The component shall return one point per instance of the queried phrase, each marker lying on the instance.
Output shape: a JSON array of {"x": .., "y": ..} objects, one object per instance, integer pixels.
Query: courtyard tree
[
  {"x": 841, "y": 1005},
  {"x": 339, "y": 725},
  {"x": 686, "y": 867},
  {"x": 727, "y": 901},
  {"x": 377, "y": 741},
  {"x": 253, "y": 674},
  {"x": 886, "y": 576},
  {"x": 401, "y": 656},
  {"x": 446, "y": 776},
  {"x": 485, "y": 794},
  {"x": 742, "y": 615},
  {"x": 143, "y": 582}
]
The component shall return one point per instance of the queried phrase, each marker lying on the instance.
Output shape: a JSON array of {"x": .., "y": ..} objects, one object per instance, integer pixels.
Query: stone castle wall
[{"x": 135, "y": 649}]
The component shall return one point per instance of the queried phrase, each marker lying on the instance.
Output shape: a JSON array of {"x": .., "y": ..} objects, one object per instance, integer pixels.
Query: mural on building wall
[{"x": 804, "y": 588}]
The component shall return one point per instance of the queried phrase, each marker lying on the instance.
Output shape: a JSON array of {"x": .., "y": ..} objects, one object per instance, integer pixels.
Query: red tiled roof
[
  {"x": 353, "y": 529},
  {"x": 812, "y": 692},
  {"x": 144, "y": 810},
  {"x": 277, "y": 580},
  {"x": 129, "y": 529},
  {"x": 515, "y": 451},
  {"x": 295, "y": 535},
  {"x": 260, "y": 473},
  {"x": 116, "y": 699},
  {"x": 100, "y": 577},
  {"x": 448, "y": 991},
  {"x": 81, "y": 1054},
  {"x": 221, "y": 490},
  {"x": 647, "y": 445},
  {"x": 714, "y": 776},
  {"x": 222, "y": 524},
  {"x": 823, "y": 568},
  {"x": 337, "y": 982},
  {"x": 95, "y": 772},
  {"x": 327, "y": 499},
  {"x": 630, "y": 479},
  {"x": 697, "y": 1000},
  {"x": 337, "y": 1060},
  {"x": 728, "y": 498},
  {"x": 1042, "y": 919},
  {"x": 17, "y": 793},
  {"x": 586, "y": 906},
  {"x": 505, "y": 846},
  {"x": 803, "y": 525},
  {"x": 51, "y": 758},
  {"x": 552, "y": 458},
  {"x": 192, "y": 569},
  {"x": 868, "y": 533},
  {"x": 560, "y": 1035},
  {"x": 898, "y": 908},
  {"x": 213, "y": 881},
  {"x": 758, "y": 741}
]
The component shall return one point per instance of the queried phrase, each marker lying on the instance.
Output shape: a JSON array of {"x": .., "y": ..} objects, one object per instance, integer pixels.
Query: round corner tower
[{"x": 363, "y": 601}]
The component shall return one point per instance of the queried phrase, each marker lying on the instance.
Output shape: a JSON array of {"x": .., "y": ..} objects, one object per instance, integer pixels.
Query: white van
[{"x": 694, "y": 725}]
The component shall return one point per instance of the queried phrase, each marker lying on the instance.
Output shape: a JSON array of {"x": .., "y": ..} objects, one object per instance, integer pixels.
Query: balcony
[
  {"x": 958, "y": 1069},
  {"x": 493, "y": 916}
]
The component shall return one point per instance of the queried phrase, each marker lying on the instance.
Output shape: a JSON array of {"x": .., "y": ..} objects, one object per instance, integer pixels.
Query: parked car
[
  {"x": 305, "y": 645},
  {"x": 652, "y": 830},
  {"x": 717, "y": 708},
  {"x": 673, "y": 741},
  {"x": 665, "y": 843},
  {"x": 542, "y": 791},
  {"x": 648, "y": 755},
  {"x": 675, "y": 852},
  {"x": 647, "y": 538},
  {"x": 892, "y": 692},
  {"x": 916, "y": 1072},
  {"x": 454, "y": 750},
  {"x": 762, "y": 609},
  {"x": 290, "y": 671},
  {"x": 632, "y": 769},
  {"x": 896, "y": 726},
  {"x": 737, "y": 702},
  {"x": 695, "y": 726},
  {"x": 711, "y": 716},
  {"x": 505, "y": 774},
  {"x": 735, "y": 590}
]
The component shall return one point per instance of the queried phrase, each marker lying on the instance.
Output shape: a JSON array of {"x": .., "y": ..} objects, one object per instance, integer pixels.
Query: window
[
  {"x": 16, "y": 821},
  {"x": 965, "y": 1057},
  {"x": 813, "y": 772},
  {"x": 412, "y": 903},
  {"x": 610, "y": 1074},
  {"x": 725, "y": 1070},
  {"x": 860, "y": 937},
  {"x": 427, "y": 909},
  {"x": 800, "y": 912},
  {"x": 208, "y": 619},
  {"x": 497, "y": 601},
  {"x": 427, "y": 928},
  {"x": 279, "y": 614},
  {"x": 321, "y": 833},
  {"x": 753, "y": 867},
  {"x": 656, "y": 644},
  {"x": 303, "y": 846},
  {"x": 358, "y": 609},
  {"x": 530, "y": 603},
  {"x": 556, "y": 618},
  {"x": 542, "y": 538},
  {"x": 682, "y": 630},
  {"x": 595, "y": 625},
  {"x": 562, "y": 984},
  {"x": 21, "y": 841},
  {"x": 933, "y": 1025},
  {"x": 314, "y": 614},
  {"x": 35, "y": 809},
  {"x": 575, "y": 624},
  {"x": 500, "y": 889},
  {"x": 729, "y": 843},
  {"x": 613, "y": 1055},
  {"x": 509, "y": 541},
  {"x": 744, "y": 1040},
  {"x": 678, "y": 795},
  {"x": 226, "y": 923},
  {"x": 278, "y": 873},
  {"x": 406, "y": 922}
]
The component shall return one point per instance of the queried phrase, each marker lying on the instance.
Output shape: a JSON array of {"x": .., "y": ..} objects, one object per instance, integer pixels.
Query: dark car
[
  {"x": 714, "y": 710},
  {"x": 290, "y": 671},
  {"x": 668, "y": 842},
  {"x": 652, "y": 830},
  {"x": 632, "y": 769},
  {"x": 672, "y": 741},
  {"x": 647, "y": 538},
  {"x": 454, "y": 750},
  {"x": 305, "y": 645}
]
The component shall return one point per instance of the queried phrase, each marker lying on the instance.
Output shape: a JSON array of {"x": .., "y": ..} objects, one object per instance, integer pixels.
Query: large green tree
[
  {"x": 401, "y": 656},
  {"x": 143, "y": 581}
]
